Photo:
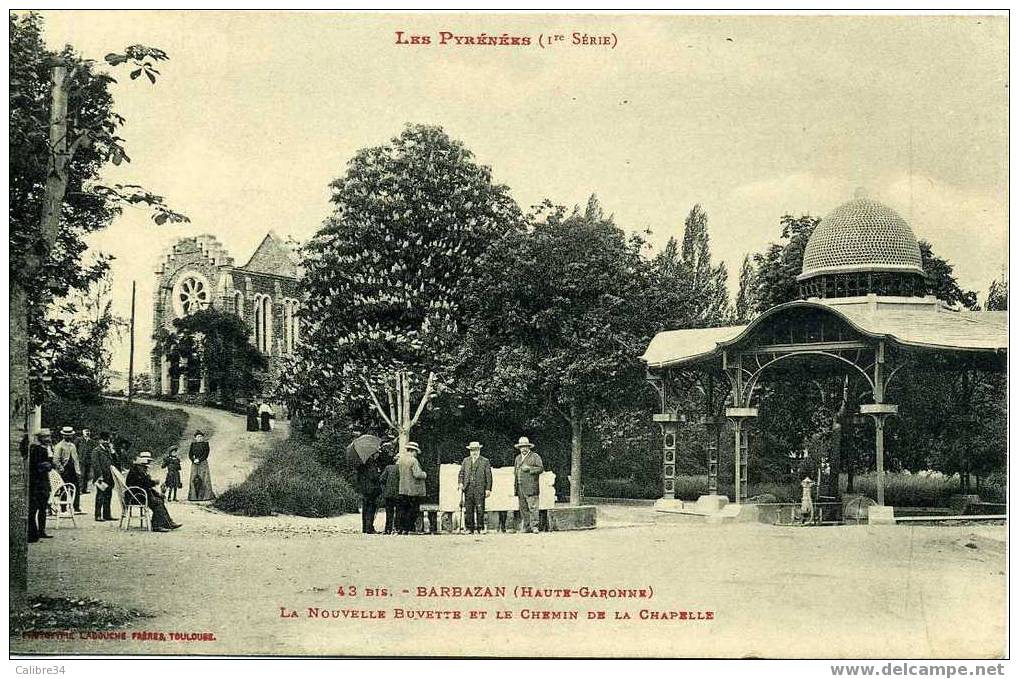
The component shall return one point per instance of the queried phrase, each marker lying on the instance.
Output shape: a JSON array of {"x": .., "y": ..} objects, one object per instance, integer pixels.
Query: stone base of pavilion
[
  {"x": 713, "y": 508},
  {"x": 718, "y": 509}
]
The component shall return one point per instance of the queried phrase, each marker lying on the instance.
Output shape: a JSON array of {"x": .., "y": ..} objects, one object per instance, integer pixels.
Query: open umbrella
[{"x": 362, "y": 449}]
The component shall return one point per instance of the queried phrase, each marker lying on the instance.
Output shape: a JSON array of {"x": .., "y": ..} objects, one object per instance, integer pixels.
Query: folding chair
[
  {"x": 62, "y": 502},
  {"x": 134, "y": 502}
]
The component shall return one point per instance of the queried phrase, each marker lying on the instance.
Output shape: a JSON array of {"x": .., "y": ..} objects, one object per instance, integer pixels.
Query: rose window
[{"x": 191, "y": 294}]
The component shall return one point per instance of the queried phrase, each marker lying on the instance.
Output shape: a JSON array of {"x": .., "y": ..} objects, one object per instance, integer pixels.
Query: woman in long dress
[
  {"x": 200, "y": 486},
  {"x": 252, "y": 417},
  {"x": 265, "y": 415}
]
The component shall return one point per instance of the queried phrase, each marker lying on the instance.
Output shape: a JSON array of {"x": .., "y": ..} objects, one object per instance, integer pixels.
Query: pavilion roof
[{"x": 919, "y": 326}]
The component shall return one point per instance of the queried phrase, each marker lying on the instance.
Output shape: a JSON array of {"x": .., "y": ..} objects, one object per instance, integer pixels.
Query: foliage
[
  {"x": 54, "y": 269},
  {"x": 708, "y": 288},
  {"x": 952, "y": 421},
  {"x": 745, "y": 301},
  {"x": 685, "y": 290},
  {"x": 625, "y": 487},
  {"x": 995, "y": 487},
  {"x": 61, "y": 613},
  {"x": 142, "y": 384},
  {"x": 289, "y": 480},
  {"x": 997, "y": 295},
  {"x": 922, "y": 489},
  {"x": 79, "y": 338},
  {"x": 941, "y": 279},
  {"x": 558, "y": 314},
  {"x": 386, "y": 274},
  {"x": 925, "y": 435},
  {"x": 217, "y": 341},
  {"x": 776, "y": 269},
  {"x": 148, "y": 427}
]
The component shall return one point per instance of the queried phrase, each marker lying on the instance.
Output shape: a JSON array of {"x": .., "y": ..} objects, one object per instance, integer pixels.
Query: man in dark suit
[
  {"x": 391, "y": 493},
  {"x": 527, "y": 467},
  {"x": 86, "y": 444},
  {"x": 40, "y": 462},
  {"x": 369, "y": 484},
  {"x": 102, "y": 460},
  {"x": 475, "y": 483}
]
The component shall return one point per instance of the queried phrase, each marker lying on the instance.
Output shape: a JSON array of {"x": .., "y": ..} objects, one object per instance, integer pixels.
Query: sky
[{"x": 753, "y": 117}]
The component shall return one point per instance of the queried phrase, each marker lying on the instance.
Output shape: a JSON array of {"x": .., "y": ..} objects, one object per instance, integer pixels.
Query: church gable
[{"x": 274, "y": 257}]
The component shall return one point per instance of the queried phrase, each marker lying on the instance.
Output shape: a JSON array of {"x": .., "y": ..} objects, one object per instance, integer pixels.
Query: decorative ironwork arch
[{"x": 746, "y": 391}]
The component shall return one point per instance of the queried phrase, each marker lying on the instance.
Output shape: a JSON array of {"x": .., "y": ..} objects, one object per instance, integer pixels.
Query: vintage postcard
[{"x": 562, "y": 334}]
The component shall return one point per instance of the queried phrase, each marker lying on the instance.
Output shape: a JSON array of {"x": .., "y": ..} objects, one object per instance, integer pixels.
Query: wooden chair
[
  {"x": 62, "y": 501},
  {"x": 134, "y": 501}
]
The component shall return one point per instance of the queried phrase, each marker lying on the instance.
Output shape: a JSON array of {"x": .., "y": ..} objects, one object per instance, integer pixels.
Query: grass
[
  {"x": 50, "y": 613},
  {"x": 289, "y": 480},
  {"x": 148, "y": 427}
]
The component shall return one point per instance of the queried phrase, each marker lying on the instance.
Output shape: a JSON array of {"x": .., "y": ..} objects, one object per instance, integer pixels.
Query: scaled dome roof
[{"x": 861, "y": 235}]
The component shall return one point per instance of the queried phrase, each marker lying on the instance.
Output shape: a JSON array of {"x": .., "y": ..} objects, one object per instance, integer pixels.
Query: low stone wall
[{"x": 558, "y": 518}]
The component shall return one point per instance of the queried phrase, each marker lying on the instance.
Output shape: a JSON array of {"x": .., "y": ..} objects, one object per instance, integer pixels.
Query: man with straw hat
[
  {"x": 475, "y": 482},
  {"x": 527, "y": 467}
]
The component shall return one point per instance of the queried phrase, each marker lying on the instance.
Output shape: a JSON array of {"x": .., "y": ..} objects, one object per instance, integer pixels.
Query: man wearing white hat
[
  {"x": 527, "y": 467},
  {"x": 139, "y": 476},
  {"x": 67, "y": 463},
  {"x": 475, "y": 483}
]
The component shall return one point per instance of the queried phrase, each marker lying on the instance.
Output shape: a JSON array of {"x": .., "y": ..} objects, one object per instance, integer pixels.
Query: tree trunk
[
  {"x": 576, "y": 434},
  {"x": 21, "y": 398},
  {"x": 20, "y": 408}
]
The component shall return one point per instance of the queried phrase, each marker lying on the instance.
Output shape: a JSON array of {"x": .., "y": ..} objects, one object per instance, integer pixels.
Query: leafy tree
[
  {"x": 559, "y": 320},
  {"x": 386, "y": 275},
  {"x": 776, "y": 269},
  {"x": 218, "y": 342},
  {"x": 997, "y": 295},
  {"x": 941, "y": 280},
  {"x": 709, "y": 293},
  {"x": 62, "y": 129},
  {"x": 745, "y": 302}
]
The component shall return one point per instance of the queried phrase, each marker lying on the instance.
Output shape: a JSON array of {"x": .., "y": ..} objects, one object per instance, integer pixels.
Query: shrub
[
  {"x": 922, "y": 489},
  {"x": 290, "y": 480},
  {"x": 994, "y": 488},
  {"x": 247, "y": 500},
  {"x": 631, "y": 489},
  {"x": 691, "y": 487},
  {"x": 149, "y": 427}
]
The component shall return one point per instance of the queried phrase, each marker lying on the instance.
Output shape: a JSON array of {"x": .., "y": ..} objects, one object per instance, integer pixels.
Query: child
[{"x": 171, "y": 463}]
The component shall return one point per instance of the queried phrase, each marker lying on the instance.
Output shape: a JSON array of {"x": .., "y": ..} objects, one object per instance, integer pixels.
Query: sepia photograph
[{"x": 478, "y": 334}]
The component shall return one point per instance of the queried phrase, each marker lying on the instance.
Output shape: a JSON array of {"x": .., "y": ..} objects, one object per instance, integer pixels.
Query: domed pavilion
[
  {"x": 864, "y": 308},
  {"x": 862, "y": 247}
]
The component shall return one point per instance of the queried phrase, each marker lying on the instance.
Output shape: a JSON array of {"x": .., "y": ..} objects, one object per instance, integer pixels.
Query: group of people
[
  {"x": 398, "y": 482},
  {"x": 260, "y": 416},
  {"x": 81, "y": 461}
]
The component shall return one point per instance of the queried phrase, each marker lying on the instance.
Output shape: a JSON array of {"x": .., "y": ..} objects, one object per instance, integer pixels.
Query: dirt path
[
  {"x": 875, "y": 591},
  {"x": 234, "y": 450},
  {"x": 871, "y": 591}
]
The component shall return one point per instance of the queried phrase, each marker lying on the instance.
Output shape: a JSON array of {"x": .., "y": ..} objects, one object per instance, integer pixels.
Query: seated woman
[{"x": 139, "y": 476}]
